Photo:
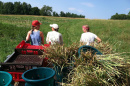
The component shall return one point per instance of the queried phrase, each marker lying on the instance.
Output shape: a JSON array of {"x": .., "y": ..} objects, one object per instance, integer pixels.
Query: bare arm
[
  {"x": 28, "y": 36},
  {"x": 98, "y": 39},
  {"x": 42, "y": 37},
  {"x": 47, "y": 39}
]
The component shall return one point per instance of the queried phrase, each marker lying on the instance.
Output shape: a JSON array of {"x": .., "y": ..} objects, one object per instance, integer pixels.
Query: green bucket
[
  {"x": 41, "y": 76},
  {"x": 86, "y": 48},
  {"x": 5, "y": 78}
]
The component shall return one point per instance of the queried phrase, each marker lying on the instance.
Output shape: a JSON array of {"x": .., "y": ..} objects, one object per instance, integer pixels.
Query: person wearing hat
[
  {"x": 35, "y": 35},
  {"x": 88, "y": 37},
  {"x": 54, "y": 37}
]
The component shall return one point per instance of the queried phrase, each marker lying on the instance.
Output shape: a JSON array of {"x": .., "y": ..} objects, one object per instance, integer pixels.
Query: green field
[
  {"x": 111, "y": 69},
  {"x": 13, "y": 29}
]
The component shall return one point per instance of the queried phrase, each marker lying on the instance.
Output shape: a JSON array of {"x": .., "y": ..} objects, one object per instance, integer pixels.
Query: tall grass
[
  {"x": 115, "y": 32},
  {"x": 10, "y": 36},
  {"x": 89, "y": 69}
]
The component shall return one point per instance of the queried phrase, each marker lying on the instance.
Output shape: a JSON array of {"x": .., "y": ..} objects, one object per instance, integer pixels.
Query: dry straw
[{"x": 90, "y": 69}]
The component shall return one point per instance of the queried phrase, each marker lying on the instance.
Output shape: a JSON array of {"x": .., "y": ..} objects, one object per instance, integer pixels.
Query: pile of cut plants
[{"x": 88, "y": 69}]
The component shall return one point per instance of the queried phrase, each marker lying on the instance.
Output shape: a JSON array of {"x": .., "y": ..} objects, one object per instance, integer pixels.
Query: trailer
[{"x": 24, "y": 57}]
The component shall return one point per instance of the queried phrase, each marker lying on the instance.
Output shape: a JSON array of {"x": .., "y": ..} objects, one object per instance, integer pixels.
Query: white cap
[{"x": 55, "y": 26}]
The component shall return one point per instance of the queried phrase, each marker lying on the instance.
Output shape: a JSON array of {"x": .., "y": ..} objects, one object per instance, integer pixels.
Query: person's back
[
  {"x": 35, "y": 38},
  {"x": 88, "y": 37},
  {"x": 54, "y": 37},
  {"x": 35, "y": 35}
]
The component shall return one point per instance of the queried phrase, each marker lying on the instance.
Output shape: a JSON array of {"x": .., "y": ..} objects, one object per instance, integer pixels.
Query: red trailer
[{"x": 25, "y": 57}]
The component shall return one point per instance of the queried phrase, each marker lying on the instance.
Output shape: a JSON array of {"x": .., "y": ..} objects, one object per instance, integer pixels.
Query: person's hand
[{"x": 98, "y": 40}]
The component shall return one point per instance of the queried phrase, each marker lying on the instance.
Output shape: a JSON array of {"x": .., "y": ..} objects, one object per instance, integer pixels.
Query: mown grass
[
  {"x": 14, "y": 28},
  {"x": 89, "y": 69}
]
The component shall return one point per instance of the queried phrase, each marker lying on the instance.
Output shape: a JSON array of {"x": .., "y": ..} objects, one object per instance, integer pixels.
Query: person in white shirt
[
  {"x": 88, "y": 37},
  {"x": 54, "y": 37}
]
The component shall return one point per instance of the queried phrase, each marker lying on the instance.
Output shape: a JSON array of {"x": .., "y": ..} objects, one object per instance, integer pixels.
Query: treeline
[
  {"x": 121, "y": 16},
  {"x": 19, "y": 8}
]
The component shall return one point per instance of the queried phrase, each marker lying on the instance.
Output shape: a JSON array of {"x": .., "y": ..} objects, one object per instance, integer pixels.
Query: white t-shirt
[
  {"x": 54, "y": 37},
  {"x": 88, "y": 38}
]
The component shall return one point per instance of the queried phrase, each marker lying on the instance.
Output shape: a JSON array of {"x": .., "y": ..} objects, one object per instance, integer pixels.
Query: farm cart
[{"x": 25, "y": 57}]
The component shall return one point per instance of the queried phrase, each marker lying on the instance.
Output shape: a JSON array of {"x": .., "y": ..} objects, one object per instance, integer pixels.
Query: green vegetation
[
  {"x": 89, "y": 69},
  {"x": 10, "y": 36},
  {"x": 13, "y": 29},
  {"x": 19, "y": 8},
  {"x": 121, "y": 16}
]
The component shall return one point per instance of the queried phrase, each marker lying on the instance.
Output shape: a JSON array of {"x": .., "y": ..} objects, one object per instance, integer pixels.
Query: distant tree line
[
  {"x": 19, "y": 8},
  {"x": 121, "y": 16}
]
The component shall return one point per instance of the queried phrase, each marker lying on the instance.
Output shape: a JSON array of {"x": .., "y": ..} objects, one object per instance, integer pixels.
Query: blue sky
[{"x": 92, "y": 9}]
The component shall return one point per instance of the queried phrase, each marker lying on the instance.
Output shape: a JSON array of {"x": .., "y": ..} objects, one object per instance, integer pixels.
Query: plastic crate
[
  {"x": 19, "y": 62},
  {"x": 17, "y": 76},
  {"x": 28, "y": 49},
  {"x": 24, "y": 45}
]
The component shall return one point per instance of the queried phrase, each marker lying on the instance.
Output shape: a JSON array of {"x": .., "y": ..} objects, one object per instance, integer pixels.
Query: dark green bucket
[
  {"x": 41, "y": 76},
  {"x": 86, "y": 48},
  {"x": 5, "y": 78}
]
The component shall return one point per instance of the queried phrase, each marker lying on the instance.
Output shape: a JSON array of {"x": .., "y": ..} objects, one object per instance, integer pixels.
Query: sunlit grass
[
  {"x": 116, "y": 32},
  {"x": 91, "y": 70}
]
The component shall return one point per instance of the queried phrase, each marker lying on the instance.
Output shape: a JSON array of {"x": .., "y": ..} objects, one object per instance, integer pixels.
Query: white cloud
[
  {"x": 128, "y": 9},
  {"x": 88, "y": 4},
  {"x": 80, "y": 11},
  {"x": 74, "y": 9}
]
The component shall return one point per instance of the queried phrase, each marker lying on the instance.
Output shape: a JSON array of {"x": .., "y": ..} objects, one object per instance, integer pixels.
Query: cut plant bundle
[
  {"x": 107, "y": 70},
  {"x": 61, "y": 55},
  {"x": 90, "y": 69}
]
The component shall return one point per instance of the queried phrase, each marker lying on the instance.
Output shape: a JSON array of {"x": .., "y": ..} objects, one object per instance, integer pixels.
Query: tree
[
  {"x": 25, "y": 8},
  {"x": 115, "y": 16},
  {"x": 128, "y": 17},
  {"x": 18, "y": 8},
  {"x": 35, "y": 11},
  {"x": 1, "y": 7},
  {"x": 122, "y": 16},
  {"x": 55, "y": 14},
  {"x": 74, "y": 15},
  {"x": 8, "y": 8},
  {"x": 68, "y": 14},
  {"x": 81, "y": 16},
  {"x": 129, "y": 13},
  {"x": 62, "y": 14},
  {"x": 119, "y": 16},
  {"x": 46, "y": 11},
  {"x": 29, "y": 9}
]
